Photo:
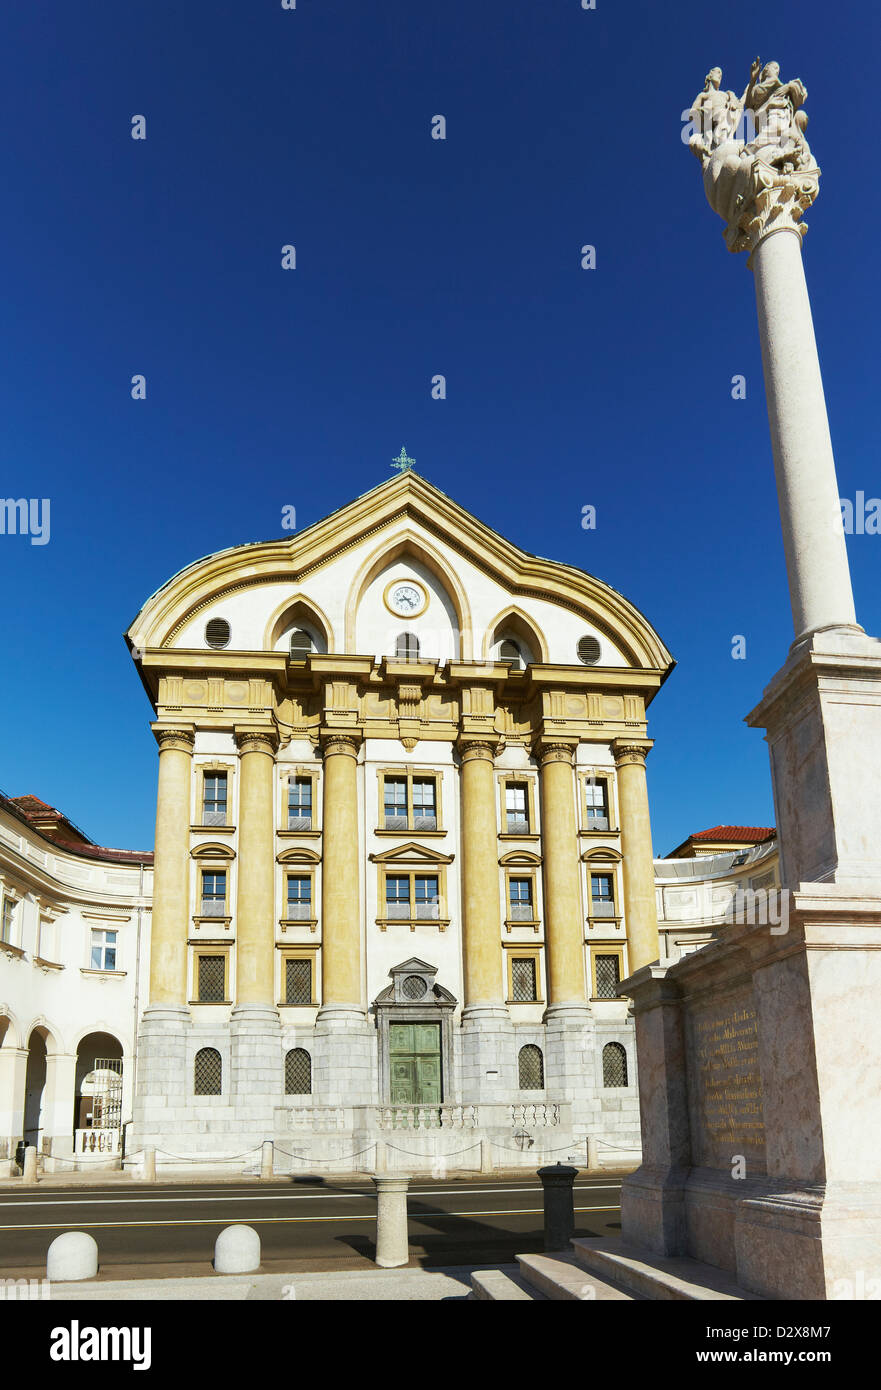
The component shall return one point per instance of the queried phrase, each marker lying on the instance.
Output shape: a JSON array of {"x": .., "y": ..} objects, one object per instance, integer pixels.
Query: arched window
[
  {"x": 301, "y": 645},
  {"x": 614, "y": 1065},
  {"x": 530, "y": 1068},
  {"x": 407, "y": 646},
  {"x": 207, "y": 1072},
  {"x": 298, "y": 1073},
  {"x": 509, "y": 651}
]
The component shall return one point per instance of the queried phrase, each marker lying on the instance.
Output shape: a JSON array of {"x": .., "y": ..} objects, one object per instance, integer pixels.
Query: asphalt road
[{"x": 304, "y": 1223}]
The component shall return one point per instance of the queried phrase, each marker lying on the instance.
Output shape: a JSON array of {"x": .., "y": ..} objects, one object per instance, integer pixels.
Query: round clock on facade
[{"x": 406, "y": 598}]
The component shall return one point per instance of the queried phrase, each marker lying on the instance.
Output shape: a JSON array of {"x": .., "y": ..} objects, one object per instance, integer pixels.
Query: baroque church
[{"x": 403, "y": 853}]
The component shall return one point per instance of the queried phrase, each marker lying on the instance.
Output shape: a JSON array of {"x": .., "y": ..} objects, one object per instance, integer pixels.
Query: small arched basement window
[
  {"x": 298, "y": 1072},
  {"x": 207, "y": 1072},
  {"x": 614, "y": 1065},
  {"x": 530, "y": 1068}
]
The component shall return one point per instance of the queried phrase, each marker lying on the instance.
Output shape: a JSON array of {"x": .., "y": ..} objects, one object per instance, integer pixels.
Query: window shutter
[
  {"x": 589, "y": 651},
  {"x": 217, "y": 633}
]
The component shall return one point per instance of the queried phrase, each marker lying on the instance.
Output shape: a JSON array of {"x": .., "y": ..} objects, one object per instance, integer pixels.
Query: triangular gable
[{"x": 411, "y": 853}]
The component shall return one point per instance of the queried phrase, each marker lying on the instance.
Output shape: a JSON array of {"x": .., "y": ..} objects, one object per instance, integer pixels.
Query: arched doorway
[
  {"x": 34, "y": 1087},
  {"x": 98, "y": 1094}
]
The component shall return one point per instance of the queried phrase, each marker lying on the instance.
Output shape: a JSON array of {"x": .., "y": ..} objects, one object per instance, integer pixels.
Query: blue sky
[{"x": 565, "y": 387}]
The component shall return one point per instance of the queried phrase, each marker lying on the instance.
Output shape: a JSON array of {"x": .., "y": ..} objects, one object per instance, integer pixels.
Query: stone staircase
[{"x": 604, "y": 1270}]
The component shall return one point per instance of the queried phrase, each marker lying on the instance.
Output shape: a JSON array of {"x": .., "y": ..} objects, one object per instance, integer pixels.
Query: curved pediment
[
  {"x": 298, "y": 855},
  {"x": 523, "y": 857},
  {"x": 213, "y": 850},
  {"x": 601, "y": 855}
]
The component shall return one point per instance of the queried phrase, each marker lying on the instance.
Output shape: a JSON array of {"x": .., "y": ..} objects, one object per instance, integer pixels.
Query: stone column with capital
[
  {"x": 487, "y": 1029},
  {"x": 344, "y": 1056},
  {"x": 822, "y": 711},
  {"x": 640, "y": 909},
  {"x": 254, "y": 1026},
  {"x": 162, "y": 1078}
]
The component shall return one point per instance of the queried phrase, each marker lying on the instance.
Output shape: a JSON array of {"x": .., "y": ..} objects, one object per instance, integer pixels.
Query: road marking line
[
  {"x": 257, "y": 1197},
  {"x": 288, "y": 1220}
]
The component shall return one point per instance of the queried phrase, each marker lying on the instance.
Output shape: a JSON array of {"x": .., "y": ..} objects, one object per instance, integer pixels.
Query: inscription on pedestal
[{"x": 725, "y": 1084}]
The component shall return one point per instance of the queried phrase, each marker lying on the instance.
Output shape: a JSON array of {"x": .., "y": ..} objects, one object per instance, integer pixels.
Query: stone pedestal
[
  {"x": 488, "y": 1055},
  {"x": 760, "y": 1105},
  {"x": 255, "y": 1067},
  {"x": 344, "y": 1060},
  {"x": 822, "y": 713},
  {"x": 164, "y": 1084}
]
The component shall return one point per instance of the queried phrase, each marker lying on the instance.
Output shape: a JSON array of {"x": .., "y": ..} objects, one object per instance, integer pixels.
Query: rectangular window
[
  {"x": 103, "y": 950},
  {"x": 300, "y": 804},
  {"x": 6, "y": 920},
  {"x": 212, "y": 979},
  {"x": 523, "y": 980},
  {"x": 214, "y": 894},
  {"x": 516, "y": 809},
  {"x": 397, "y": 898},
  {"x": 214, "y": 799},
  {"x": 395, "y": 803},
  {"x": 608, "y": 974},
  {"x": 520, "y": 894},
  {"x": 297, "y": 981},
  {"x": 602, "y": 895},
  {"x": 299, "y": 899},
  {"x": 424, "y": 804},
  {"x": 597, "y": 809},
  {"x": 427, "y": 898}
]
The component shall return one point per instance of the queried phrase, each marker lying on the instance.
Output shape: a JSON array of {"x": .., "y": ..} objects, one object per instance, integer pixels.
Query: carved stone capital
[
  {"x": 477, "y": 750},
  {"x": 626, "y": 751},
  {"x": 340, "y": 745},
  {"x": 552, "y": 752},
  {"x": 183, "y": 740},
  {"x": 257, "y": 741}
]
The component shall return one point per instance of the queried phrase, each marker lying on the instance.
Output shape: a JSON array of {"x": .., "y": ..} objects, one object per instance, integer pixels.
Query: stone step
[
  {"x": 559, "y": 1276},
  {"x": 656, "y": 1276},
  {"x": 504, "y": 1285}
]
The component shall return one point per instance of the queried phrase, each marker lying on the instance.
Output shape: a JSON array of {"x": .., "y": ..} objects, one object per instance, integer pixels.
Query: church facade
[{"x": 403, "y": 853}]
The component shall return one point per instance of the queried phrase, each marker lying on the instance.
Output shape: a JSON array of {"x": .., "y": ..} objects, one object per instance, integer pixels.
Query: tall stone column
[
  {"x": 487, "y": 1031},
  {"x": 256, "y": 1075},
  {"x": 344, "y": 1055},
  {"x": 13, "y": 1075},
  {"x": 640, "y": 910},
  {"x": 255, "y": 898},
  {"x": 171, "y": 870},
  {"x": 822, "y": 711},
  {"x": 162, "y": 1078},
  {"x": 570, "y": 1043}
]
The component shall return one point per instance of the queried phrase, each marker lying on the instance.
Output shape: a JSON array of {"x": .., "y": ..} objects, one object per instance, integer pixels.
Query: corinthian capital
[
  {"x": 183, "y": 740},
  {"x": 630, "y": 750},
  {"x": 759, "y": 173},
  {"x": 257, "y": 741}
]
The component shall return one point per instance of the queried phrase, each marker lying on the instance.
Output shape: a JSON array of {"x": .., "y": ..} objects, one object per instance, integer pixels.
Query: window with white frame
[
  {"x": 299, "y": 897},
  {"x": 103, "y": 956},
  {"x": 516, "y": 808},
  {"x": 7, "y": 919},
  {"x": 597, "y": 803},
  {"x": 424, "y": 803},
  {"x": 300, "y": 803},
  {"x": 427, "y": 896},
  {"x": 214, "y": 802},
  {"x": 397, "y": 897},
  {"x": 213, "y": 893},
  {"x": 520, "y": 899},
  {"x": 395, "y": 803},
  {"x": 602, "y": 895}
]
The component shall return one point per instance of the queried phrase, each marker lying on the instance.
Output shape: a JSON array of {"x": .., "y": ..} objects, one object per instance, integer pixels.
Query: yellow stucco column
[
  {"x": 341, "y": 968},
  {"x": 255, "y": 898},
  {"x": 563, "y": 909},
  {"x": 481, "y": 921},
  {"x": 640, "y": 913},
  {"x": 171, "y": 869}
]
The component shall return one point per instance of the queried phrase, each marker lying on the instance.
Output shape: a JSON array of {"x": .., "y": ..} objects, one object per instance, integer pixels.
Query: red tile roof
[
  {"x": 745, "y": 834},
  {"x": 35, "y": 813}
]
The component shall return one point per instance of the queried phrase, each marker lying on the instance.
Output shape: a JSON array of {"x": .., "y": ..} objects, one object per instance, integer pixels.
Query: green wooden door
[{"x": 415, "y": 1063}]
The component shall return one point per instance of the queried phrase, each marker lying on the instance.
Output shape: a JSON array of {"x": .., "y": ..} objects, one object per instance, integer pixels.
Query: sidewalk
[
  {"x": 185, "y": 1178},
  {"x": 381, "y": 1285}
]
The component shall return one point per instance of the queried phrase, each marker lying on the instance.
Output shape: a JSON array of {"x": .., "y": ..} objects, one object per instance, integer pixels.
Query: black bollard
[{"x": 558, "y": 1180}]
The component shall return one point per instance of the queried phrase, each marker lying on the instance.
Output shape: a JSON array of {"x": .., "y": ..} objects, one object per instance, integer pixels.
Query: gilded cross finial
[{"x": 402, "y": 462}]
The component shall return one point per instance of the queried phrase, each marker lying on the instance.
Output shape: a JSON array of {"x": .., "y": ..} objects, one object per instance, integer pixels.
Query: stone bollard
[
  {"x": 237, "y": 1250},
  {"x": 381, "y": 1164},
  {"x": 266, "y": 1159},
  {"x": 72, "y": 1256},
  {"x": 149, "y": 1174},
  {"x": 558, "y": 1180},
  {"x": 593, "y": 1154},
  {"x": 486, "y": 1156},
  {"x": 392, "y": 1245},
  {"x": 29, "y": 1168}
]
